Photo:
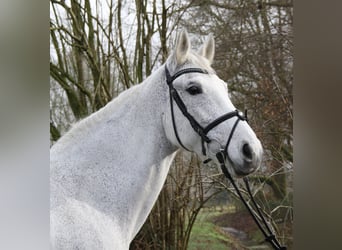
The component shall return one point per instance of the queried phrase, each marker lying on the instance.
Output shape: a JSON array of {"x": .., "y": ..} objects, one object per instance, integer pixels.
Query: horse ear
[
  {"x": 208, "y": 49},
  {"x": 182, "y": 47}
]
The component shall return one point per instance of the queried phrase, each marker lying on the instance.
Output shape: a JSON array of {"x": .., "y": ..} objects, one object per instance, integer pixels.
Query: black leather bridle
[{"x": 222, "y": 155}]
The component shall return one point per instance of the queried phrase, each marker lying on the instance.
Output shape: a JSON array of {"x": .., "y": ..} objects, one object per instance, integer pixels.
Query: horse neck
[
  {"x": 148, "y": 151},
  {"x": 122, "y": 154}
]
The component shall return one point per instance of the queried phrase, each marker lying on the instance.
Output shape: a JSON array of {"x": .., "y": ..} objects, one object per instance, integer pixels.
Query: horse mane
[{"x": 83, "y": 126}]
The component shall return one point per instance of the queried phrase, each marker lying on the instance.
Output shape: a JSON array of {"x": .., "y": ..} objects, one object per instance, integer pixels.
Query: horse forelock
[{"x": 193, "y": 60}]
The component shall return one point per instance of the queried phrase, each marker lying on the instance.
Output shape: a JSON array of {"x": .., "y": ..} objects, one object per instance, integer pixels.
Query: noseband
[{"x": 222, "y": 155}]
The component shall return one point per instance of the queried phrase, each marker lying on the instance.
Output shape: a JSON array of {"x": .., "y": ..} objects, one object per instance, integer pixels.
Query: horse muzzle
[
  {"x": 249, "y": 159},
  {"x": 241, "y": 161}
]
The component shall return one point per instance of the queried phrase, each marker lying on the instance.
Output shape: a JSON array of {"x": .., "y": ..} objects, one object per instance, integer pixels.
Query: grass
[{"x": 206, "y": 235}]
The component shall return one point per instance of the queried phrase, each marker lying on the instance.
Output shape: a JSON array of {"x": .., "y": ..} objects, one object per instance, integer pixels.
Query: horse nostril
[{"x": 247, "y": 151}]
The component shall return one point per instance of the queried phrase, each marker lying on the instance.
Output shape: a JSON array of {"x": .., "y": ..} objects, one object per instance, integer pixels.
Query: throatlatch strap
[{"x": 174, "y": 124}]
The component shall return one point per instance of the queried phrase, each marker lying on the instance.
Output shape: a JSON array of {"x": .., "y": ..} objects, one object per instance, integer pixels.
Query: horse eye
[{"x": 194, "y": 90}]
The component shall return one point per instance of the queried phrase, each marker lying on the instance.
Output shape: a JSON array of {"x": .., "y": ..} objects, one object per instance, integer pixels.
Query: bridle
[
  {"x": 201, "y": 131},
  {"x": 222, "y": 155}
]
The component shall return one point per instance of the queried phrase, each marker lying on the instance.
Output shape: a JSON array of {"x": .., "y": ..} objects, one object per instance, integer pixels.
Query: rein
[
  {"x": 269, "y": 235},
  {"x": 222, "y": 155}
]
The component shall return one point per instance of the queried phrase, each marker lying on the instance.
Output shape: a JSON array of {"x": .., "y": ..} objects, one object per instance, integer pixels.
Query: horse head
[{"x": 202, "y": 117}]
